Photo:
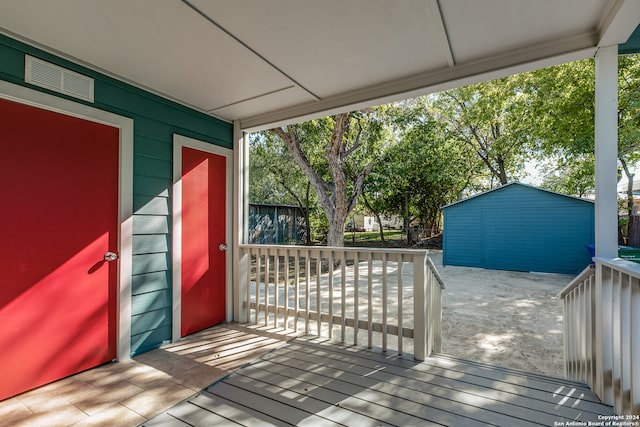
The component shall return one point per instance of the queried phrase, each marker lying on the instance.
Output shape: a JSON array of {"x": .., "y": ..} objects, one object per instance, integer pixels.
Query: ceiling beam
[{"x": 441, "y": 29}]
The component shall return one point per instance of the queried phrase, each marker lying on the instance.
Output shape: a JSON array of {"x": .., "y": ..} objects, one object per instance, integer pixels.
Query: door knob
[
  {"x": 223, "y": 247},
  {"x": 110, "y": 256}
]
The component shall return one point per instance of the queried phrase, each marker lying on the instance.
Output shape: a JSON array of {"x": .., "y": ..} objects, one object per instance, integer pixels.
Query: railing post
[
  {"x": 242, "y": 306},
  {"x": 603, "y": 338},
  {"x": 420, "y": 301}
]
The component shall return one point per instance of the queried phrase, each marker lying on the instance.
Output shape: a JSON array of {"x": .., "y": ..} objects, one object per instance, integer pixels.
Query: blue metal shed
[{"x": 519, "y": 227}]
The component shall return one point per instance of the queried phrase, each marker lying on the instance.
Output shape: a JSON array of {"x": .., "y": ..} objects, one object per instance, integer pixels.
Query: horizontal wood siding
[
  {"x": 519, "y": 228},
  {"x": 156, "y": 119}
]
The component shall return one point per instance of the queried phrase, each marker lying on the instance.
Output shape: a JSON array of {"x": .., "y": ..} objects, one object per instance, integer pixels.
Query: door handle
[
  {"x": 223, "y": 247},
  {"x": 111, "y": 256}
]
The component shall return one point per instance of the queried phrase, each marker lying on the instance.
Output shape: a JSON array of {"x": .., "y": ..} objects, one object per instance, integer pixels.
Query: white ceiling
[{"x": 271, "y": 61}]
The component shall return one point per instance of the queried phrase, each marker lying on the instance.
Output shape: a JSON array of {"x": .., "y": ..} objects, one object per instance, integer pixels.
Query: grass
[{"x": 372, "y": 236}]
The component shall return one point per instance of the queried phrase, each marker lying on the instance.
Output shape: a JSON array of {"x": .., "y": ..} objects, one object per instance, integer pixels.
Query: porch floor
[
  {"x": 312, "y": 382},
  {"x": 130, "y": 392}
]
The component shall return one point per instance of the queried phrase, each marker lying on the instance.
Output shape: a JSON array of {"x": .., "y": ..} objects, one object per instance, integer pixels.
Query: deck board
[
  {"x": 310, "y": 382},
  {"x": 442, "y": 396},
  {"x": 456, "y": 375}
]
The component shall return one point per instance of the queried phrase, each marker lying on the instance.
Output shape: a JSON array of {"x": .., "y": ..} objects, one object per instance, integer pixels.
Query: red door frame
[
  {"x": 179, "y": 142},
  {"x": 45, "y": 101}
]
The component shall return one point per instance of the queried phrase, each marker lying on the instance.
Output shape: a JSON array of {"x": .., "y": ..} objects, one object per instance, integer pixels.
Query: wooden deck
[{"x": 308, "y": 382}]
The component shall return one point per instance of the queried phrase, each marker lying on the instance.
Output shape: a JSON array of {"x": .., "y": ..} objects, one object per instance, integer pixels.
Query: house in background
[
  {"x": 519, "y": 227},
  {"x": 124, "y": 146}
]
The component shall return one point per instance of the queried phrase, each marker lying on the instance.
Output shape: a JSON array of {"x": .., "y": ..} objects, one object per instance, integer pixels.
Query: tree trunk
[
  {"x": 405, "y": 217},
  {"x": 307, "y": 212},
  {"x": 335, "y": 237},
  {"x": 502, "y": 173},
  {"x": 376, "y": 214},
  {"x": 334, "y": 195}
]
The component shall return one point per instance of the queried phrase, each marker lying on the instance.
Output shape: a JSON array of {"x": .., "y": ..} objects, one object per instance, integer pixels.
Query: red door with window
[
  {"x": 59, "y": 218},
  {"x": 203, "y": 220}
]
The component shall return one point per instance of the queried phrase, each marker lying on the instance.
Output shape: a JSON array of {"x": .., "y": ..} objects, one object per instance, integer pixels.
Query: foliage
[
  {"x": 490, "y": 118},
  {"x": 336, "y": 154},
  {"x": 575, "y": 176},
  {"x": 423, "y": 171}
]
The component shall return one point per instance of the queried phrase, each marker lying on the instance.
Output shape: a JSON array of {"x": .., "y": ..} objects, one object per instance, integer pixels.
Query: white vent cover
[{"x": 53, "y": 77}]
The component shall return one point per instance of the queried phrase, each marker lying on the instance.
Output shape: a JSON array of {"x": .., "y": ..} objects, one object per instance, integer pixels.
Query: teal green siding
[
  {"x": 521, "y": 228},
  {"x": 156, "y": 119}
]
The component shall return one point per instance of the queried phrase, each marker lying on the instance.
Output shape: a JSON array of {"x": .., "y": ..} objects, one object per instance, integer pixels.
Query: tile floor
[{"x": 131, "y": 392}]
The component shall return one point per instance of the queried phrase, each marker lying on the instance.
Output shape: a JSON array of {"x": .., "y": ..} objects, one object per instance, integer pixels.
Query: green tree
[
  {"x": 629, "y": 120},
  {"x": 566, "y": 96},
  {"x": 488, "y": 119},
  {"x": 336, "y": 154},
  {"x": 422, "y": 172}
]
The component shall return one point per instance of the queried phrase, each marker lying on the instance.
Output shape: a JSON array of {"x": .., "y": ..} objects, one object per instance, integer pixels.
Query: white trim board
[
  {"x": 179, "y": 142},
  {"x": 45, "y": 101}
]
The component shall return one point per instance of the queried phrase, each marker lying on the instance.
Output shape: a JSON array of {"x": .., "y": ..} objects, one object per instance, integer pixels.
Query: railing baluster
[
  {"x": 343, "y": 292},
  {"x": 285, "y": 275},
  {"x": 267, "y": 264},
  {"x": 384, "y": 302},
  {"x": 400, "y": 311},
  {"x": 625, "y": 336},
  {"x": 307, "y": 273},
  {"x": 356, "y": 291},
  {"x": 318, "y": 299},
  {"x": 258, "y": 271},
  {"x": 369, "y": 299},
  {"x": 331, "y": 264},
  {"x": 250, "y": 265},
  {"x": 296, "y": 293},
  {"x": 616, "y": 355},
  {"x": 276, "y": 286}
]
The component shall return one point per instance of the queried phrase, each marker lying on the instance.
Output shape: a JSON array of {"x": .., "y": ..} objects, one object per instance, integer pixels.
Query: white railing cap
[
  {"x": 337, "y": 249},
  {"x": 584, "y": 275},
  {"x": 623, "y": 265}
]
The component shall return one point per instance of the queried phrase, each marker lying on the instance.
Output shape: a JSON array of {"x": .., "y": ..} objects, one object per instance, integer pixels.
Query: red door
[
  {"x": 59, "y": 216},
  {"x": 203, "y": 230}
]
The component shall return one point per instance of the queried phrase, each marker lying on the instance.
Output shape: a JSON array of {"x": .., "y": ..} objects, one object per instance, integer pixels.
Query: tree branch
[{"x": 293, "y": 145}]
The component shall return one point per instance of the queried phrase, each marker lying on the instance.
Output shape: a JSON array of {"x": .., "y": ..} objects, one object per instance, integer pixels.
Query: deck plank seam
[{"x": 544, "y": 401}]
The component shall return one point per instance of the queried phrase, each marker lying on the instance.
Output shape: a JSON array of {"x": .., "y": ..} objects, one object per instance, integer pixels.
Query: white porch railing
[
  {"x": 602, "y": 332},
  {"x": 348, "y": 292}
]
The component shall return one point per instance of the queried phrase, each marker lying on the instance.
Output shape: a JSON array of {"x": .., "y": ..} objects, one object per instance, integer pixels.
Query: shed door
[
  {"x": 59, "y": 216},
  {"x": 543, "y": 239},
  {"x": 203, "y": 267}
]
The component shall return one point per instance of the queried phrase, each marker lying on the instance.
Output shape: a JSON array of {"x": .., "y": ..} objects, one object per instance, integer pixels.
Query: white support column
[
  {"x": 606, "y": 211},
  {"x": 240, "y": 224},
  {"x": 606, "y": 152}
]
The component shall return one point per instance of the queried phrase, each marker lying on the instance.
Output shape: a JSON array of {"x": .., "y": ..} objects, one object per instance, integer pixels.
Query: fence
[{"x": 276, "y": 224}]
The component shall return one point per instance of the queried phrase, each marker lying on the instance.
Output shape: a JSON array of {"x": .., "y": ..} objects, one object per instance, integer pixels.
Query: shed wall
[
  {"x": 156, "y": 119},
  {"x": 519, "y": 228}
]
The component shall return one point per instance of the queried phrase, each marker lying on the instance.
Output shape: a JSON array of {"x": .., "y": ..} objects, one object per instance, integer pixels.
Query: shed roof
[
  {"x": 520, "y": 184},
  {"x": 272, "y": 62}
]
